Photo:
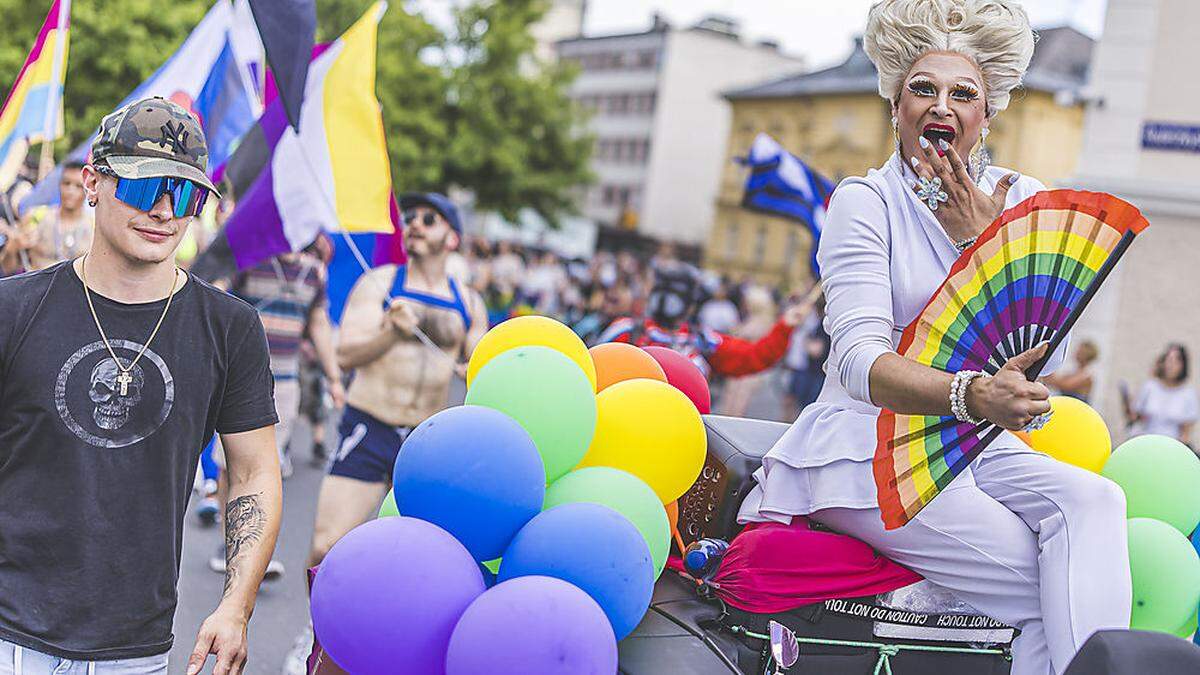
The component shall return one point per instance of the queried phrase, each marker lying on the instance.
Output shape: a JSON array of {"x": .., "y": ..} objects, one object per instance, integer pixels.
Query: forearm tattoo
[{"x": 244, "y": 520}]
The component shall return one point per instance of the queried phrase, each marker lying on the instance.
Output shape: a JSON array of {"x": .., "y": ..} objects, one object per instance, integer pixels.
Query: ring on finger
[
  {"x": 1038, "y": 421},
  {"x": 930, "y": 191}
]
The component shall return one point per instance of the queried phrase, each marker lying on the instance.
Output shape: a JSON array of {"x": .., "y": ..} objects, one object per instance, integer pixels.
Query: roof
[{"x": 1060, "y": 62}]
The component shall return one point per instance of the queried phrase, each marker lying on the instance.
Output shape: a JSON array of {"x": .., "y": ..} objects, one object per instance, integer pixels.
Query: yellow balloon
[
  {"x": 531, "y": 330},
  {"x": 653, "y": 431},
  {"x": 1075, "y": 434}
]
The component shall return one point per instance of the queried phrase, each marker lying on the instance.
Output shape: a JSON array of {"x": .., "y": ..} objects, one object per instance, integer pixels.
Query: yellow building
[{"x": 836, "y": 122}]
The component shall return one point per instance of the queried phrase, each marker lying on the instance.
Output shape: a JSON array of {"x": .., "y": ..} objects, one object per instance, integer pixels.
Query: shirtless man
[{"x": 399, "y": 380}]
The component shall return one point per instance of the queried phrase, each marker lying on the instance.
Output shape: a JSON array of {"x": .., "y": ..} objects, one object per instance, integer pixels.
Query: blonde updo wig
[{"x": 994, "y": 34}]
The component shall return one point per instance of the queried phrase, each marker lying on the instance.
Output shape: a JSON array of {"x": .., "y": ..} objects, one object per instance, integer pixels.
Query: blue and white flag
[
  {"x": 204, "y": 77},
  {"x": 781, "y": 184}
]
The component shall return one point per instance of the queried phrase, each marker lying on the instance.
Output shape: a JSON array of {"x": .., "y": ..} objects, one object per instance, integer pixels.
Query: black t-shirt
[{"x": 94, "y": 482}]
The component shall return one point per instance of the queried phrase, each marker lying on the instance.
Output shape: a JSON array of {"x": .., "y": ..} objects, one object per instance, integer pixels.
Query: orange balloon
[
  {"x": 617, "y": 362},
  {"x": 1024, "y": 436},
  {"x": 673, "y": 519}
]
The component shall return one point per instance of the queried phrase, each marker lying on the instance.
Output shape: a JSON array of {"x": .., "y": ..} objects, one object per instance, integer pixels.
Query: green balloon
[
  {"x": 624, "y": 493},
  {"x": 1161, "y": 480},
  {"x": 548, "y": 394},
  {"x": 1166, "y": 576},
  {"x": 1189, "y": 629},
  {"x": 492, "y": 565},
  {"x": 389, "y": 506}
]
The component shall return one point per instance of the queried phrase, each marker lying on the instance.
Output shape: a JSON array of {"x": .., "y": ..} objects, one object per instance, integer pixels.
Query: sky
[{"x": 819, "y": 30}]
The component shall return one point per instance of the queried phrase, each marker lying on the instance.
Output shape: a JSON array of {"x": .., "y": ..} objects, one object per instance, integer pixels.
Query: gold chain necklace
[{"x": 124, "y": 378}]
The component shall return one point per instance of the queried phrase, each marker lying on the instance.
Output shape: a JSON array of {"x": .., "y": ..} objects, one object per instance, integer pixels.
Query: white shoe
[
  {"x": 274, "y": 571},
  {"x": 217, "y": 562},
  {"x": 285, "y": 466},
  {"x": 296, "y": 661}
]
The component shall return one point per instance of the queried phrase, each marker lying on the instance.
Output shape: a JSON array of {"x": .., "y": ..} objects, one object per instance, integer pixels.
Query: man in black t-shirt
[{"x": 114, "y": 370}]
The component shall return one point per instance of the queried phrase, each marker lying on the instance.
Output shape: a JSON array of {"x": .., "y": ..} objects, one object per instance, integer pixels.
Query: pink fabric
[{"x": 771, "y": 567}]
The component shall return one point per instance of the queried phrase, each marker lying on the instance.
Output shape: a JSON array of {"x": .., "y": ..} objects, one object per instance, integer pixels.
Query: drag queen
[{"x": 1023, "y": 538}]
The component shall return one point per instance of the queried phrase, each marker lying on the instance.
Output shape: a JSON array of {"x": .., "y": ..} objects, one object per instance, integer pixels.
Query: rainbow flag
[{"x": 32, "y": 112}]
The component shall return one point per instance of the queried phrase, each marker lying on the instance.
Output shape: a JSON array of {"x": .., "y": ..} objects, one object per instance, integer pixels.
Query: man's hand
[
  {"x": 337, "y": 392},
  {"x": 401, "y": 317},
  {"x": 794, "y": 314},
  {"x": 223, "y": 633}
]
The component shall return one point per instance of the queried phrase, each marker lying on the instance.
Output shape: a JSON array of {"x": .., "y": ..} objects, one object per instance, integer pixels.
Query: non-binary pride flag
[
  {"x": 32, "y": 113},
  {"x": 333, "y": 173},
  {"x": 781, "y": 184}
]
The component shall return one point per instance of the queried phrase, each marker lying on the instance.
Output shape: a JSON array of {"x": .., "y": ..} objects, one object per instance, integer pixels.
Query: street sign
[{"x": 1170, "y": 136}]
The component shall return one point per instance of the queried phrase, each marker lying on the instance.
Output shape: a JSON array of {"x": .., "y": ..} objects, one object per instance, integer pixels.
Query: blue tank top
[{"x": 454, "y": 304}]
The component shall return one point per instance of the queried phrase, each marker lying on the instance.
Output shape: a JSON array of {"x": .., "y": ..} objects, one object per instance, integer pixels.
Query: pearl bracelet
[{"x": 958, "y": 395}]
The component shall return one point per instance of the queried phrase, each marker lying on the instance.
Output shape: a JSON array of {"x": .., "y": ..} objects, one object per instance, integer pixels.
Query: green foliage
[
  {"x": 469, "y": 110},
  {"x": 115, "y": 44}
]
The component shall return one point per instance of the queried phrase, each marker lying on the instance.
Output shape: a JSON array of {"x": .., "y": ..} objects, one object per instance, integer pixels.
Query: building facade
[
  {"x": 1142, "y": 143},
  {"x": 660, "y": 122},
  {"x": 835, "y": 121}
]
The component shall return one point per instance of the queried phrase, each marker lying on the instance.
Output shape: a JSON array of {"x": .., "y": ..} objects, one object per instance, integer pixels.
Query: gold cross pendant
[{"x": 124, "y": 379}]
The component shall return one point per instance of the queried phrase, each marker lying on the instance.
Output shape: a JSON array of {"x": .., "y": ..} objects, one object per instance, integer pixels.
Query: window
[
  {"x": 732, "y": 233},
  {"x": 610, "y": 195},
  {"x": 647, "y": 59},
  {"x": 760, "y": 246}
]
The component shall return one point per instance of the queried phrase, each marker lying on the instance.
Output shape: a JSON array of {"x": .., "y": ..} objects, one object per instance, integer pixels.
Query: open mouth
[{"x": 938, "y": 132}]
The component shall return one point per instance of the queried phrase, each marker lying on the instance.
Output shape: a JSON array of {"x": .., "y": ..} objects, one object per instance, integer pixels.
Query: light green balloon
[
  {"x": 1189, "y": 629},
  {"x": 548, "y": 395},
  {"x": 492, "y": 565},
  {"x": 1161, "y": 480},
  {"x": 389, "y": 506},
  {"x": 1166, "y": 576},
  {"x": 624, "y": 493}
]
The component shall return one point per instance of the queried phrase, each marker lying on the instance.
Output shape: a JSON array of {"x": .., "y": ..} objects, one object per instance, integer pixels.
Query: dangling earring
[
  {"x": 981, "y": 159},
  {"x": 896, "y": 134},
  {"x": 92, "y": 203}
]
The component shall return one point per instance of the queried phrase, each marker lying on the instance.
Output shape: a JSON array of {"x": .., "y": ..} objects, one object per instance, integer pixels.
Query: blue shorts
[{"x": 367, "y": 449}]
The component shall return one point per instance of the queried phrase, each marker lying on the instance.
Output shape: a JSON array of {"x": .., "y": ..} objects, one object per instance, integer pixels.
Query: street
[{"x": 282, "y": 610}]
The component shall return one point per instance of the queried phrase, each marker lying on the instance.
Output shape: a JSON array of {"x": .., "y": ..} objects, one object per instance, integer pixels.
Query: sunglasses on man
[
  {"x": 187, "y": 196},
  {"x": 428, "y": 218}
]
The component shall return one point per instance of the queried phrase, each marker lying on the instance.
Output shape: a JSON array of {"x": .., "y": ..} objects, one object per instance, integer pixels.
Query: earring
[
  {"x": 896, "y": 133},
  {"x": 92, "y": 203},
  {"x": 980, "y": 159}
]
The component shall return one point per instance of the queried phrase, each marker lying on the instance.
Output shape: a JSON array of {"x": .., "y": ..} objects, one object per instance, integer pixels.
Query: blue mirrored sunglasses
[{"x": 187, "y": 196}]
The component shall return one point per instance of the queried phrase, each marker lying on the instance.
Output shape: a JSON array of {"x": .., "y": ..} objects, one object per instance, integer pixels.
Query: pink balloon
[{"x": 684, "y": 376}]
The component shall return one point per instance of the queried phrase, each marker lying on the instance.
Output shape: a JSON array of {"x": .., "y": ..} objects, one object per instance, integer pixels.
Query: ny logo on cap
[{"x": 175, "y": 136}]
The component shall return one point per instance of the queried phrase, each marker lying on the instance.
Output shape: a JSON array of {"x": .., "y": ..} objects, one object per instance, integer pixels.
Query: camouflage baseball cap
[{"x": 153, "y": 137}]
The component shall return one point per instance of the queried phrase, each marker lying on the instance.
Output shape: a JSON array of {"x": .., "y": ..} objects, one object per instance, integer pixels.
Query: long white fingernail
[
  {"x": 942, "y": 144},
  {"x": 915, "y": 162},
  {"x": 923, "y": 141}
]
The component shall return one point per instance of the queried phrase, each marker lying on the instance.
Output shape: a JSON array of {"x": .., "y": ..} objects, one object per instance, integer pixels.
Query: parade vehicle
[{"x": 694, "y": 625}]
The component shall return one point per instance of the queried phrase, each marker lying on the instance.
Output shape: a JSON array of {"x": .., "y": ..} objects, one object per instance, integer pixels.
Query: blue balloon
[
  {"x": 475, "y": 473},
  {"x": 592, "y": 547}
]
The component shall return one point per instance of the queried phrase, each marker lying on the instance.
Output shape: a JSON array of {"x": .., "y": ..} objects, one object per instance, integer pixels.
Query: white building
[
  {"x": 660, "y": 121},
  {"x": 563, "y": 20},
  {"x": 1142, "y": 143}
]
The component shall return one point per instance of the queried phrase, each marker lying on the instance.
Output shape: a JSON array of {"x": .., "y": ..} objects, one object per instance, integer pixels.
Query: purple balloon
[
  {"x": 533, "y": 624},
  {"x": 388, "y": 595}
]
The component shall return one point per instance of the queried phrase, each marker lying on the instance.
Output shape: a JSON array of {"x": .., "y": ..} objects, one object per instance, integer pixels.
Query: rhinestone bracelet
[
  {"x": 964, "y": 244},
  {"x": 958, "y": 395}
]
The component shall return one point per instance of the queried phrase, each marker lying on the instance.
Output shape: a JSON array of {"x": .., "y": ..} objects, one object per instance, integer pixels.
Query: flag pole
[{"x": 53, "y": 105}]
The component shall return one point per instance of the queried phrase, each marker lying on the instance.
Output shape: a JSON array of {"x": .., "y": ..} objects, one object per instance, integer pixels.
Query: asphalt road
[{"x": 282, "y": 610}]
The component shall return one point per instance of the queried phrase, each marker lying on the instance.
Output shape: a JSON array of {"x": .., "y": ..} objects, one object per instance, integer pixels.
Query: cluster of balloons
[
  {"x": 526, "y": 528},
  {"x": 1161, "y": 480}
]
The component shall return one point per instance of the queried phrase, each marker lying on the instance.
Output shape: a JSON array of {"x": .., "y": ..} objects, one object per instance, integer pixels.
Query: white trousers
[{"x": 1036, "y": 543}]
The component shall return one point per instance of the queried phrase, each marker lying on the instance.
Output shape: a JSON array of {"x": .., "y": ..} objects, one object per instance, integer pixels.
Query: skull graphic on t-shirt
[{"x": 114, "y": 403}]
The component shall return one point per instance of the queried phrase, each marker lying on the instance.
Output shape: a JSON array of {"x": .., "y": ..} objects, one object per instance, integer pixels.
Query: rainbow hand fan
[{"x": 1025, "y": 281}]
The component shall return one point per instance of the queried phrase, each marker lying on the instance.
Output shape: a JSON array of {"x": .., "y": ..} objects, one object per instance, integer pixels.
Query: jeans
[{"x": 17, "y": 660}]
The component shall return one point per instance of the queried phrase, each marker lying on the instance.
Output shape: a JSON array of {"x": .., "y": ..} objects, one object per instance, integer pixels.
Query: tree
[
  {"x": 469, "y": 110},
  {"x": 115, "y": 45},
  {"x": 516, "y": 138}
]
